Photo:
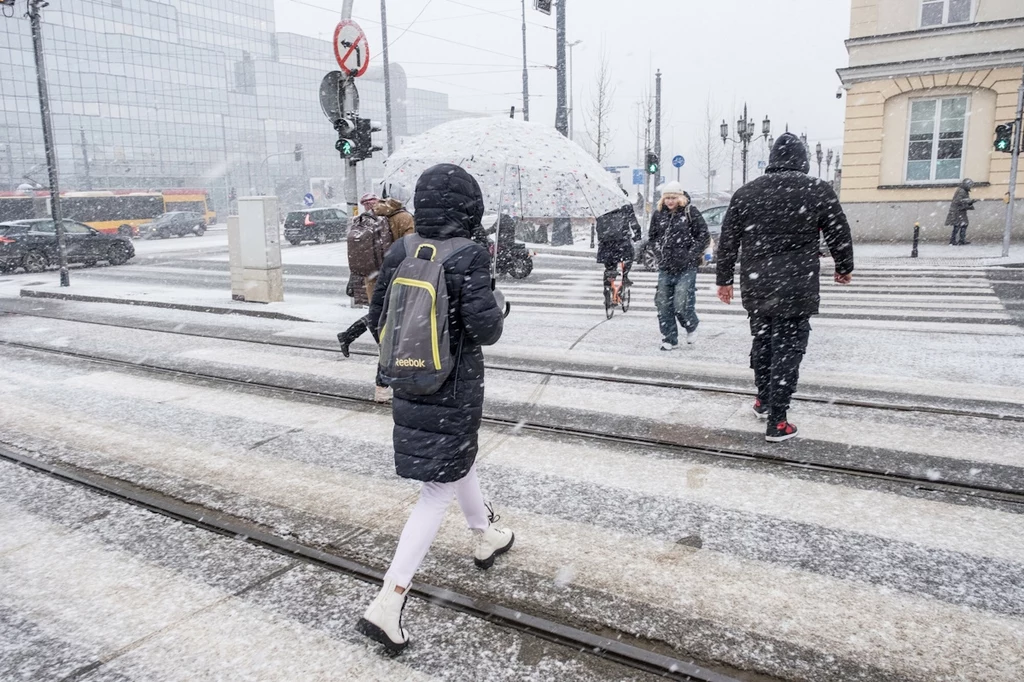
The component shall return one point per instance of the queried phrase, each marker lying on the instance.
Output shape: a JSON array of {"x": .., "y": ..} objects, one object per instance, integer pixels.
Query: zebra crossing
[{"x": 923, "y": 300}]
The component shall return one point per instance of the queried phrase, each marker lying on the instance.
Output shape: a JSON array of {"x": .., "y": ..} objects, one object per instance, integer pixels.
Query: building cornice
[
  {"x": 930, "y": 66},
  {"x": 946, "y": 29}
]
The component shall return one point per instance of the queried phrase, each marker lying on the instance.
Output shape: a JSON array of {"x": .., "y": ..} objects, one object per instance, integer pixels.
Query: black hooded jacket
[
  {"x": 775, "y": 222},
  {"x": 435, "y": 436},
  {"x": 614, "y": 230}
]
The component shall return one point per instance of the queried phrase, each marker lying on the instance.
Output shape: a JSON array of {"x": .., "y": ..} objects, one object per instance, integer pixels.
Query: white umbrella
[{"x": 524, "y": 169}]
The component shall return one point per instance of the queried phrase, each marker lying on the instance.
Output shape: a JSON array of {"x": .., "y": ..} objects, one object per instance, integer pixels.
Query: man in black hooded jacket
[{"x": 775, "y": 222}]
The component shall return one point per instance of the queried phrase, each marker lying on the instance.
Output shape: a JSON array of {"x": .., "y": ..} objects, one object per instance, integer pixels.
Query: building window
[
  {"x": 936, "y": 143},
  {"x": 938, "y": 12}
]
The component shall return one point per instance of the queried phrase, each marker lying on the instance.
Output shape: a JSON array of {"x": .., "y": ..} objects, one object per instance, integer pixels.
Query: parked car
[
  {"x": 319, "y": 225},
  {"x": 713, "y": 216},
  {"x": 32, "y": 245},
  {"x": 174, "y": 224}
]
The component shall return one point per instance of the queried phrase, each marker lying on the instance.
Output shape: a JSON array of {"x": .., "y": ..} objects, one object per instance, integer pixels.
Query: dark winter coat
[
  {"x": 775, "y": 222},
  {"x": 961, "y": 204},
  {"x": 614, "y": 231},
  {"x": 679, "y": 238},
  {"x": 435, "y": 436}
]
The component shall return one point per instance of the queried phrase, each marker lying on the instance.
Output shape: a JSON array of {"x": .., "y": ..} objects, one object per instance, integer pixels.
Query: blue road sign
[
  {"x": 678, "y": 161},
  {"x": 309, "y": 200},
  {"x": 638, "y": 176},
  {"x": 760, "y": 165}
]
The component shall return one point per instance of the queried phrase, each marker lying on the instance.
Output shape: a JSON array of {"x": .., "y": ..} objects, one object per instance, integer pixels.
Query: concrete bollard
[{"x": 917, "y": 237}]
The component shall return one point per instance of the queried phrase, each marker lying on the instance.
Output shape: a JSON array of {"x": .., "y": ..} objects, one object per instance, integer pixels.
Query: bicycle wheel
[
  {"x": 609, "y": 302},
  {"x": 624, "y": 295}
]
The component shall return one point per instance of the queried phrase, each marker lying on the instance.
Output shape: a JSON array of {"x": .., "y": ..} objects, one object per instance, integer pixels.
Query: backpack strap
[{"x": 442, "y": 249}]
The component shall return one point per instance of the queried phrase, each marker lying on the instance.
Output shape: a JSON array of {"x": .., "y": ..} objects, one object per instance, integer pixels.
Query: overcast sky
[{"x": 780, "y": 56}]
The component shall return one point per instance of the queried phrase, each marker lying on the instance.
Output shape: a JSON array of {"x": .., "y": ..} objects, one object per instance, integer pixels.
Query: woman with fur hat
[{"x": 679, "y": 235}]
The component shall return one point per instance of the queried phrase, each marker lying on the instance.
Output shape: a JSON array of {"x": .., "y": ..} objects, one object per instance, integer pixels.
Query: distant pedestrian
[
  {"x": 957, "y": 216},
  {"x": 369, "y": 238},
  {"x": 616, "y": 232},
  {"x": 435, "y": 435},
  {"x": 679, "y": 236},
  {"x": 773, "y": 225},
  {"x": 393, "y": 208}
]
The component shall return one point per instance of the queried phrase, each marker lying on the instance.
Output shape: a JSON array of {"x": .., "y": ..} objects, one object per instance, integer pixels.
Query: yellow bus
[{"x": 111, "y": 211}]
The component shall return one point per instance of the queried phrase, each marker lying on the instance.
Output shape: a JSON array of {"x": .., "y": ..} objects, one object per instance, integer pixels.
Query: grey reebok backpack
[{"x": 415, "y": 349}]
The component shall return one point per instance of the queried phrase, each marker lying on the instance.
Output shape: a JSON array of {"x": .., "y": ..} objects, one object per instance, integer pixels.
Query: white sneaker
[
  {"x": 491, "y": 543},
  {"x": 382, "y": 394},
  {"x": 382, "y": 621},
  {"x": 665, "y": 345},
  {"x": 691, "y": 337}
]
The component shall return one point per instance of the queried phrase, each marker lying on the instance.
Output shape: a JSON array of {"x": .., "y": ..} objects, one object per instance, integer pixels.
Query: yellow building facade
[{"x": 927, "y": 84}]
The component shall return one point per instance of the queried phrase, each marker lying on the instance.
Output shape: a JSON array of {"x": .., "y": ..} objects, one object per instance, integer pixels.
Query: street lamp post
[
  {"x": 745, "y": 133},
  {"x": 572, "y": 109},
  {"x": 818, "y": 155},
  {"x": 828, "y": 163}
]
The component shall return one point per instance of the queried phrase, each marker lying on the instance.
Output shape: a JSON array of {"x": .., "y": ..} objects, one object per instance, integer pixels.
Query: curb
[{"x": 266, "y": 314}]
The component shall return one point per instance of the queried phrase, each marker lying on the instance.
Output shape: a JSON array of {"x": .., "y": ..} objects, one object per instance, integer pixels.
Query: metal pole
[
  {"x": 387, "y": 75},
  {"x": 1018, "y": 134},
  {"x": 657, "y": 128},
  {"x": 526, "y": 75},
  {"x": 746, "y": 140},
  {"x": 51, "y": 156},
  {"x": 572, "y": 108},
  {"x": 85, "y": 160},
  {"x": 346, "y": 9},
  {"x": 917, "y": 237},
  {"x": 561, "y": 112},
  {"x": 10, "y": 166}
]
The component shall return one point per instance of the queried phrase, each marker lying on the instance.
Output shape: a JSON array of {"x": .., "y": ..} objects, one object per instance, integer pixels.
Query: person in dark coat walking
[
  {"x": 957, "y": 216},
  {"x": 616, "y": 232},
  {"x": 435, "y": 436},
  {"x": 773, "y": 224},
  {"x": 679, "y": 235}
]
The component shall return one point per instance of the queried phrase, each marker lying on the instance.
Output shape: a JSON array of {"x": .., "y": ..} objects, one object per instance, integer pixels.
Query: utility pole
[
  {"x": 657, "y": 126},
  {"x": 526, "y": 73},
  {"x": 562, "y": 111},
  {"x": 1018, "y": 135},
  {"x": 647, "y": 149},
  {"x": 85, "y": 160},
  {"x": 51, "y": 157},
  {"x": 387, "y": 75}
]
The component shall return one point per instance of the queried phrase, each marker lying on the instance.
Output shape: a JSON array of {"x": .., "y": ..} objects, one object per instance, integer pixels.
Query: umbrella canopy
[{"x": 524, "y": 169}]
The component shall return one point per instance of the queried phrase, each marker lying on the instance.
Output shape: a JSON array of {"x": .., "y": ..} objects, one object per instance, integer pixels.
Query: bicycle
[{"x": 616, "y": 294}]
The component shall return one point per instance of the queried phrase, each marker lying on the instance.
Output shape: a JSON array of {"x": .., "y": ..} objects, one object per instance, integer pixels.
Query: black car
[
  {"x": 32, "y": 245},
  {"x": 713, "y": 216},
  {"x": 319, "y": 225},
  {"x": 174, "y": 224}
]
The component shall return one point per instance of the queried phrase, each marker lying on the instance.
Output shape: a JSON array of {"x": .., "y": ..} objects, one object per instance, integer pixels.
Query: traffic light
[
  {"x": 298, "y": 151},
  {"x": 346, "y": 144},
  {"x": 364, "y": 138},
  {"x": 1004, "y": 137},
  {"x": 542, "y": 6},
  {"x": 653, "y": 163}
]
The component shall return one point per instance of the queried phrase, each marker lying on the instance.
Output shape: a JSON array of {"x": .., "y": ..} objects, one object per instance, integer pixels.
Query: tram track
[
  {"x": 776, "y": 458},
  {"x": 649, "y": 382}
]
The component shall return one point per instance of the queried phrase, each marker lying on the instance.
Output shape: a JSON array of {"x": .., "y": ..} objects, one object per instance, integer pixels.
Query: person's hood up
[
  {"x": 448, "y": 203},
  {"x": 788, "y": 154},
  {"x": 967, "y": 184},
  {"x": 388, "y": 207}
]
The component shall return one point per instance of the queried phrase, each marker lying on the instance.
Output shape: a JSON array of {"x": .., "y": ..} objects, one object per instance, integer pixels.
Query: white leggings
[{"x": 426, "y": 518}]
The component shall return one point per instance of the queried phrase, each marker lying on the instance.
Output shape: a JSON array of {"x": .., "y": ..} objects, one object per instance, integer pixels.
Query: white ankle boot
[
  {"x": 491, "y": 542},
  {"x": 382, "y": 621}
]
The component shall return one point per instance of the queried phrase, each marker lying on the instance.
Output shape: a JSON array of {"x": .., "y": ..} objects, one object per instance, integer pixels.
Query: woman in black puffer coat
[{"x": 435, "y": 436}]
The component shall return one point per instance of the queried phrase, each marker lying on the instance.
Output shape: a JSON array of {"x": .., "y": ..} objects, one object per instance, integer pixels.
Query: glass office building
[{"x": 183, "y": 93}]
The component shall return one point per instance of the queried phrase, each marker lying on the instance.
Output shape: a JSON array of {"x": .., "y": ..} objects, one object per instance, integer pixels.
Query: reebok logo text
[{"x": 410, "y": 362}]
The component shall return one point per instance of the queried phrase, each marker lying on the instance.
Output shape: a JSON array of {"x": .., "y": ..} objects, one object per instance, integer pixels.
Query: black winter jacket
[
  {"x": 961, "y": 204},
  {"x": 679, "y": 238},
  {"x": 773, "y": 224},
  {"x": 435, "y": 436},
  {"x": 614, "y": 230}
]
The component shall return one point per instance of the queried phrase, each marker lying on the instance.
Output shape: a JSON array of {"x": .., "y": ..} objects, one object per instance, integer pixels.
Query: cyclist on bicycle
[{"x": 614, "y": 231}]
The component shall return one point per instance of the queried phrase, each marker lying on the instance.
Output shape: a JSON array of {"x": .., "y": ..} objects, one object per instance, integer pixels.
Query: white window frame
[
  {"x": 935, "y": 140},
  {"x": 945, "y": 14}
]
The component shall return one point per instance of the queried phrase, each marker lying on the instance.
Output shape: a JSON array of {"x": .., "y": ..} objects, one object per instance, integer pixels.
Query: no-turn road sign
[{"x": 351, "y": 48}]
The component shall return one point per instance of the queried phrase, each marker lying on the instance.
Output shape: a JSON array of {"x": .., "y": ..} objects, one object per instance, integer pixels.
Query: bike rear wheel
[{"x": 624, "y": 295}]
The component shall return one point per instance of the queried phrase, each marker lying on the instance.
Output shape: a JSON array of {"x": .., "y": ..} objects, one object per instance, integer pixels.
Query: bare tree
[
  {"x": 711, "y": 154},
  {"x": 598, "y": 119}
]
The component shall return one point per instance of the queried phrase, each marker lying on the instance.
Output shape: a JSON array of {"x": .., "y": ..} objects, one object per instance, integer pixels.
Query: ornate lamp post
[
  {"x": 745, "y": 133},
  {"x": 819, "y": 156}
]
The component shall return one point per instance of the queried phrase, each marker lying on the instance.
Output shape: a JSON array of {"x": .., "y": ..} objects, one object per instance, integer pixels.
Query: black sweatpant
[{"x": 778, "y": 347}]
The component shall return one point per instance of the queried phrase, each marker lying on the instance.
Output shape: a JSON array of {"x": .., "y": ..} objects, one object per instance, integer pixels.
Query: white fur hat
[{"x": 672, "y": 187}]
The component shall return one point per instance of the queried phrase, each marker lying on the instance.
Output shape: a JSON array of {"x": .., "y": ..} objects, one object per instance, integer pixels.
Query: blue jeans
[{"x": 676, "y": 299}]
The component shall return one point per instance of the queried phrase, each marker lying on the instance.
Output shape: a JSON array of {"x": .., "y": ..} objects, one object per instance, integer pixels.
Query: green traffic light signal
[
  {"x": 346, "y": 147},
  {"x": 653, "y": 163},
  {"x": 1004, "y": 137}
]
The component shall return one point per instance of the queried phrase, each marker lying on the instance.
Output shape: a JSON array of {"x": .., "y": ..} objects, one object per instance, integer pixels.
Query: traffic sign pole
[{"x": 1018, "y": 135}]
